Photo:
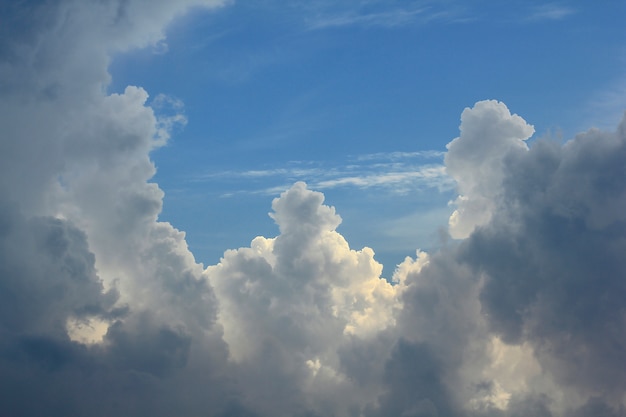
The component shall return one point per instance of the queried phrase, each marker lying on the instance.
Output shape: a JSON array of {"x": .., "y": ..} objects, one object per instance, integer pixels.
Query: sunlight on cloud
[
  {"x": 354, "y": 298},
  {"x": 510, "y": 370},
  {"x": 88, "y": 330}
]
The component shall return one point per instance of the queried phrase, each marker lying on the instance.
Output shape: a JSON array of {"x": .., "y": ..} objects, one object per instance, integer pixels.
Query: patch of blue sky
[{"x": 275, "y": 93}]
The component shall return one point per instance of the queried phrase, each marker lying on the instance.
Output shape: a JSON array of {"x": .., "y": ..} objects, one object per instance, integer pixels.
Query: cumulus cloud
[
  {"x": 104, "y": 310},
  {"x": 290, "y": 303},
  {"x": 551, "y": 259},
  {"x": 477, "y": 161},
  {"x": 103, "y": 305},
  {"x": 547, "y": 250}
]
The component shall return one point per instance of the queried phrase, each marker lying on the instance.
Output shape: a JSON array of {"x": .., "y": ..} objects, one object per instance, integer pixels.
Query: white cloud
[
  {"x": 308, "y": 270},
  {"x": 302, "y": 295},
  {"x": 400, "y": 155},
  {"x": 385, "y": 19},
  {"x": 395, "y": 172},
  {"x": 324, "y": 14},
  {"x": 428, "y": 176},
  {"x": 477, "y": 161},
  {"x": 606, "y": 107}
]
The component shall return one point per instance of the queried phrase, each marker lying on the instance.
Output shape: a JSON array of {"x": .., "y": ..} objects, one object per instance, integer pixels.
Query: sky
[
  {"x": 356, "y": 97},
  {"x": 311, "y": 209}
]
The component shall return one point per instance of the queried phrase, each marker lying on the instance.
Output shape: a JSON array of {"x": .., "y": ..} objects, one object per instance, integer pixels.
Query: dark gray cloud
[
  {"x": 596, "y": 407},
  {"x": 414, "y": 380},
  {"x": 141, "y": 367},
  {"x": 552, "y": 258},
  {"x": 48, "y": 276}
]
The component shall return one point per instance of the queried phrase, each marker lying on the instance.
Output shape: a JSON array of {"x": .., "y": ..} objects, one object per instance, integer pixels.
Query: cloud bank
[{"x": 104, "y": 310}]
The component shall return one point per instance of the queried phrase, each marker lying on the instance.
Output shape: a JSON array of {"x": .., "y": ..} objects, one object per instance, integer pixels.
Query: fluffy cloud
[
  {"x": 100, "y": 300},
  {"x": 289, "y": 304},
  {"x": 477, "y": 159},
  {"x": 104, "y": 311}
]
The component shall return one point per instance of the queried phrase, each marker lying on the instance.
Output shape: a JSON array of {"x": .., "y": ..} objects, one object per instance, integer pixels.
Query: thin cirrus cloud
[
  {"x": 386, "y": 19},
  {"x": 104, "y": 310},
  {"x": 607, "y": 105},
  {"x": 326, "y": 15},
  {"x": 394, "y": 172},
  {"x": 551, "y": 11}
]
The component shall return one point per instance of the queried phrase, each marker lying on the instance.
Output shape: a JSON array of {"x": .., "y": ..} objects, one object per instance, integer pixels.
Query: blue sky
[{"x": 319, "y": 91}]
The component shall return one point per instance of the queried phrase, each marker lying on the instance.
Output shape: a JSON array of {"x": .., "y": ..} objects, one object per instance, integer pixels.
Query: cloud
[
  {"x": 551, "y": 258},
  {"x": 606, "y": 107},
  {"x": 400, "y": 155},
  {"x": 39, "y": 297},
  {"x": 385, "y": 19},
  {"x": 551, "y": 11},
  {"x": 395, "y": 172},
  {"x": 81, "y": 245},
  {"x": 537, "y": 283},
  {"x": 477, "y": 161},
  {"x": 288, "y": 304},
  {"x": 104, "y": 310},
  {"x": 367, "y": 14}
]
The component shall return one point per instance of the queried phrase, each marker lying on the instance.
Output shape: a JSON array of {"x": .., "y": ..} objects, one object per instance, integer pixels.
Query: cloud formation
[
  {"x": 551, "y": 11},
  {"x": 104, "y": 310},
  {"x": 395, "y": 172},
  {"x": 551, "y": 259},
  {"x": 477, "y": 161}
]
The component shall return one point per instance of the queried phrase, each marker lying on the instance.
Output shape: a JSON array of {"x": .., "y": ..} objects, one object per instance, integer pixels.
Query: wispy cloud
[
  {"x": 400, "y": 155},
  {"x": 390, "y": 18},
  {"x": 551, "y": 11},
  {"x": 395, "y": 172},
  {"x": 325, "y": 14},
  {"x": 429, "y": 176},
  {"x": 607, "y": 106}
]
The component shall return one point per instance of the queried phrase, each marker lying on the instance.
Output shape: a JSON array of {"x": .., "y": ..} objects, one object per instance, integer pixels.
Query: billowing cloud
[
  {"x": 289, "y": 304},
  {"x": 85, "y": 262},
  {"x": 551, "y": 258},
  {"x": 477, "y": 161},
  {"x": 548, "y": 248},
  {"x": 104, "y": 310}
]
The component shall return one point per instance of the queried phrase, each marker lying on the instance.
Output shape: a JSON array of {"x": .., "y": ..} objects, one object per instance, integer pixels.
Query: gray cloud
[
  {"x": 552, "y": 262},
  {"x": 48, "y": 276}
]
